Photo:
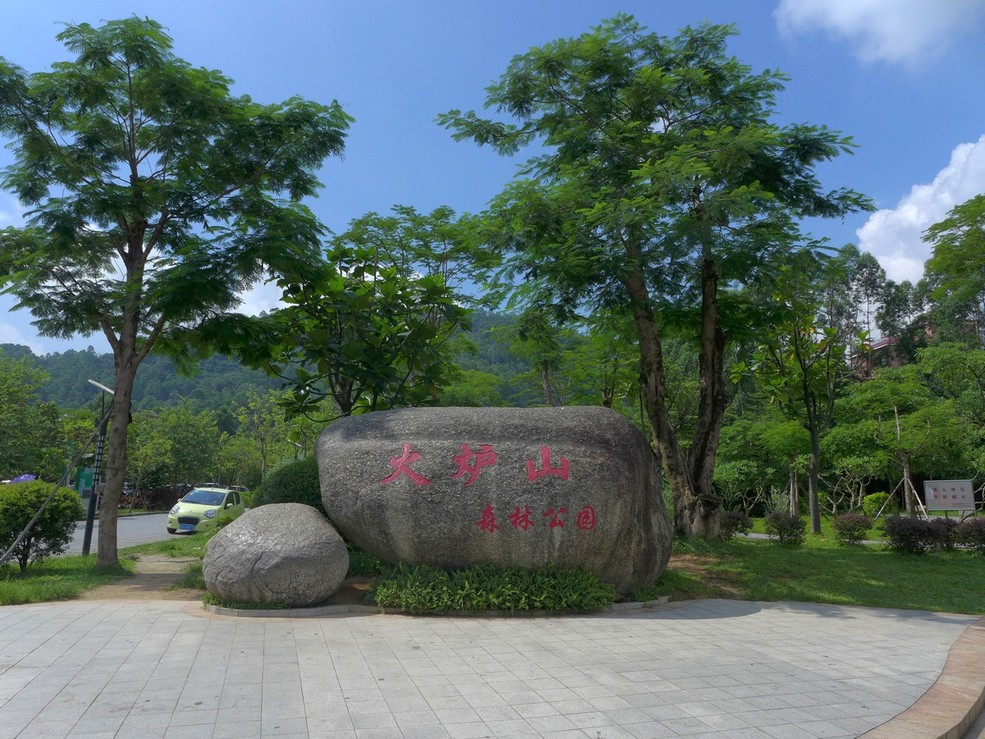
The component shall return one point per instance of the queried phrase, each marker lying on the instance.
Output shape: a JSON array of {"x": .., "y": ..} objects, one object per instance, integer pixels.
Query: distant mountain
[{"x": 218, "y": 382}]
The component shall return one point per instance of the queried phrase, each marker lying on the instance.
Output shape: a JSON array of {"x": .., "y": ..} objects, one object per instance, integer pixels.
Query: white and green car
[{"x": 200, "y": 507}]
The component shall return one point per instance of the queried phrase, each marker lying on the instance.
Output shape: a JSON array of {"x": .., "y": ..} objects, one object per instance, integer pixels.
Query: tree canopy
[
  {"x": 156, "y": 196},
  {"x": 661, "y": 187}
]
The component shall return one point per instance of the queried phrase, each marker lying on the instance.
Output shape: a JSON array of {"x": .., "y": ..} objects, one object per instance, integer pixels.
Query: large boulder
[
  {"x": 284, "y": 554},
  {"x": 528, "y": 487}
]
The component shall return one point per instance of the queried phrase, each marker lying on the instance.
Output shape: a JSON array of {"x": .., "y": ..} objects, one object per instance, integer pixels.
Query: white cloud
[
  {"x": 10, "y": 334},
  {"x": 11, "y": 212},
  {"x": 893, "y": 31},
  {"x": 262, "y": 297},
  {"x": 894, "y": 236}
]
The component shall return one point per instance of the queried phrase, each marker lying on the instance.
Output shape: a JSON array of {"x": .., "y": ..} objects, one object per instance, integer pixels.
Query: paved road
[{"x": 130, "y": 530}]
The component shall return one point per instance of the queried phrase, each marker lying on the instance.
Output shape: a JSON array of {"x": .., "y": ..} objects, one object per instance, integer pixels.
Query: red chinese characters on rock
[
  {"x": 487, "y": 522},
  {"x": 555, "y": 516},
  {"x": 401, "y": 466},
  {"x": 585, "y": 519},
  {"x": 521, "y": 520},
  {"x": 471, "y": 462},
  {"x": 545, "y": 467}
]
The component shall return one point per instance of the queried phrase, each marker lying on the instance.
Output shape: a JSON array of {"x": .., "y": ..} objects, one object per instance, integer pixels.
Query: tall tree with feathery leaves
[
  {"x": 660, "y": 188},
  {"x": 156, "y": 196}
]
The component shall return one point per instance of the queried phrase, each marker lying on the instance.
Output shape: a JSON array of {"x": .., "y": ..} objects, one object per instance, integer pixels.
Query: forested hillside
[
  {"x": 221, "y": 382},
  {"x": 218, "y": 381}
]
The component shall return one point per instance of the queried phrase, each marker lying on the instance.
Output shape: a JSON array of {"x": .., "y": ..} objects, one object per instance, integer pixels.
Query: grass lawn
[
  {"x": 824, "y": 572},
  {"x": 827, "y": 534},
  {"x": 182, "y": 545},
  {"x": 821, "y": 571},
  {"x": 57, "y": 578},
  {"x": 64, "y": 578}
]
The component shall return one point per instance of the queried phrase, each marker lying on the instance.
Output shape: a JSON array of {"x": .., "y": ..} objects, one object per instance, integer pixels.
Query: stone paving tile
[{"x": 712, "y": 668}]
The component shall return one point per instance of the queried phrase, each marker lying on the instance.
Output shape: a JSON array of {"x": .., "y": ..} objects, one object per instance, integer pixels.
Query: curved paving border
[
  {"x": 951, "y": 704},
  {"x": 346, "y": 610}
]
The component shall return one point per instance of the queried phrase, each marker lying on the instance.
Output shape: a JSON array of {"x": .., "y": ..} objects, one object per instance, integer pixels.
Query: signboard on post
[{"x": 949, "y": 495}]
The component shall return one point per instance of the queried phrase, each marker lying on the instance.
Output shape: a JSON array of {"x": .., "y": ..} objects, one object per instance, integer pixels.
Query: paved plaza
[{"x": 700, "y": 668}]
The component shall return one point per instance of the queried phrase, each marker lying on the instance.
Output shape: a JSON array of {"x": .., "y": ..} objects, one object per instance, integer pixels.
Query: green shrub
[
  {"x": 481, "y": 588},
  {"x": 54, "y": 529},
  {"x": 944, "y": 531},
  {"x": 225, "y": 518},
  {"x": 249, "y": 498},
  {"x": 296, "y": 482},
  {"x": 872, "y": 504},
  {"x": 911, "y": 535},
  {"x": 971, "y": 533},
  {"x": 364, "y": 564},
  {"x": 851, "y": 528},
  {"x": 787, "y": 528},
  {"x": 732, "y": 523}
]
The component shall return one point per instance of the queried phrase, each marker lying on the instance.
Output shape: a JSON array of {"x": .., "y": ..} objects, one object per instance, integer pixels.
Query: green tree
[
  {"x": 897, "y": 416},
  {"x": 603, "y": 364},
  {"x": 537, "y": 338},
  {"x": 662, "y": 185},
  {"x": 51, "y": 533},
  {"x": 867, "y": 289},
  {"x": 172, "y": 445},
  {"x": 957, "y": 372},
  {"x": 30, "y": 433},
  {"x": 365, "y": 331},
  {"x": 239, "y": 461},
  {"x": 261, "y": 419},
  {"x": 438, "y": 243},
  {"x": 957, "y": 266},
  {"x": 150, "y": 452},
  {"x": 157, "y": 196},
  {"x": 802, "y": 365},
  {"x": 473, "y": 388},
  {"x": 759, "y": 454}
]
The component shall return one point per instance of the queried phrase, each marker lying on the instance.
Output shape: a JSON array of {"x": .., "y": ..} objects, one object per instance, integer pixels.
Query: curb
[
  {"x": 353, "y": 610},
  {"x": 952, "y": 703}
]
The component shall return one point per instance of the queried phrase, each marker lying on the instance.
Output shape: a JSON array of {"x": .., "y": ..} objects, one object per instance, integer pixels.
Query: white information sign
[{"x": 949, "y": 495}]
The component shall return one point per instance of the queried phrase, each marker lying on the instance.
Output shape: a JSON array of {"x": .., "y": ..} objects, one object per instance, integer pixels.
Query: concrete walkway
[{"x": 713, "y": 668}]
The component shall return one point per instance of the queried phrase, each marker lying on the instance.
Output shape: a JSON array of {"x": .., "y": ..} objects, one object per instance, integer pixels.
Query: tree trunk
[
  {"x": 545, "y": 385},
  {"x": 794, "y": 490},
  {"x": 813, "y": 478},
  {"x": 692, "y": 516},
  {"x": 909, "y": 493},
  {"x": 712, "y": 399},
  {"x": 116, "y": 454}
]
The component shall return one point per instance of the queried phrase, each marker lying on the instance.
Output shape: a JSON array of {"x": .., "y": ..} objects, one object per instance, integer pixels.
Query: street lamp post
[{"x": 97, "y": 470}]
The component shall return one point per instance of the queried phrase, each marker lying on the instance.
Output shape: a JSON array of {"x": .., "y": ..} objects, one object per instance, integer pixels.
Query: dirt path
[{"x": 154, "y": 578}]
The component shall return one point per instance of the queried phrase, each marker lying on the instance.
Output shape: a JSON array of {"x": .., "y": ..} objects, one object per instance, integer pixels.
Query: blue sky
[{"x": 902, "y": 77}]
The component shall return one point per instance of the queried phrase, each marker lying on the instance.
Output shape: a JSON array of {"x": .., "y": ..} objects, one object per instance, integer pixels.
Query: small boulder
[
  {"x": 281, "y": 554},
  {"x": 528, "y": 487}
]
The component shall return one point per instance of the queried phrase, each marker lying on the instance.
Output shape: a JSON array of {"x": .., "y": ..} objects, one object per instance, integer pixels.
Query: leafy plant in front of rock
[
  {"x": 786, "y": 528},
  {"x": 851, "y": 528},
  {"x": 420, "y": 588},
  {"x": 364, "y": 564},
  {"x": 51, "y": 533}
]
